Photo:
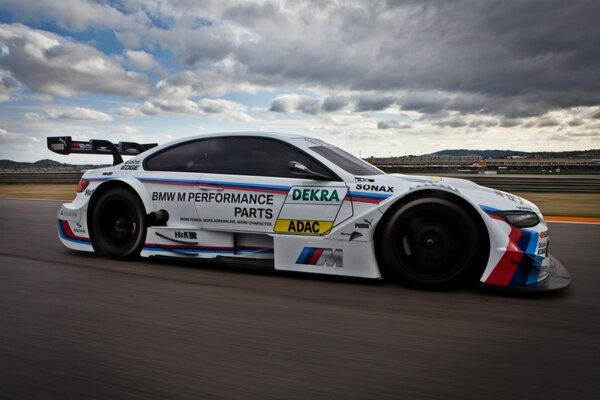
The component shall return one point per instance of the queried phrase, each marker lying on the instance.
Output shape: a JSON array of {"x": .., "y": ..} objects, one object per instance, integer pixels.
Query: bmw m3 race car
[{"x": 295, "y": 203}]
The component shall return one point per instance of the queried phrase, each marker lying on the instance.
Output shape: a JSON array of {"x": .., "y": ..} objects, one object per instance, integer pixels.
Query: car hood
[{"x": 481, "y": 196}]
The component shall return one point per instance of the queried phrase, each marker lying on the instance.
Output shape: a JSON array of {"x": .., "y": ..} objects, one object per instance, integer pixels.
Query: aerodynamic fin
[{"x": 66, "y": 145}]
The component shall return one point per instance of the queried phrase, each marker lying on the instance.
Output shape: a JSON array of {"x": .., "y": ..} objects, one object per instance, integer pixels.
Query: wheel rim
[
  {"x": 431, "y": 243},
  {"x": 118, "y": 224}
]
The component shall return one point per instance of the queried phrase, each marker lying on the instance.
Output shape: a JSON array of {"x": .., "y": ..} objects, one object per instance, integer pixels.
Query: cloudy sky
[{"x": 374, "y": 77}]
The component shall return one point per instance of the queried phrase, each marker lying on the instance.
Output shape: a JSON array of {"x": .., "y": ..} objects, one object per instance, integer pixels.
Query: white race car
[{"x": 295, "y": 203}]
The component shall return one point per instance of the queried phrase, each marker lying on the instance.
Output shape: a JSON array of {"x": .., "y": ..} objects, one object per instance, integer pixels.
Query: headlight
[{"x": 520, "y": 219}]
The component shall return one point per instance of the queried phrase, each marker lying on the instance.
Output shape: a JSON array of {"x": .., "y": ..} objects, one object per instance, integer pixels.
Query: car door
[
  {"x": 171, "y": 178},
  {"x": 248, "y": 187}
]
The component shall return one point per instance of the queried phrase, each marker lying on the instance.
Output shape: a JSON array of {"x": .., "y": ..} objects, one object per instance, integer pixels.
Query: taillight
[{"x": 82, "y": 185}]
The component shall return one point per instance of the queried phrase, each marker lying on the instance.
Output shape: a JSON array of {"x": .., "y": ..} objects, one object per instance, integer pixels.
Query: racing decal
[
  {"x": 218, "y": 185},
  {"x": 366, "y": 224},
  {"x": 374, "y": 198},
  {"x": 520, "y": 264},
  {"x": 188, "y": 249},
  {"x": 196, "y": 249},
  {"x": 70, "y": 215},
  {"x": 313, "y": 210},
  {"x": 214, "y": 197},
  {"x": 374, "y": 188},
  {"x": 352, "y": 235},
  {"x": 131, "y": 165},
  {"x": 66, "y": 233},
  {"x": 302, "y": 227},
  {"x": 316, "y": 195},
  {"x": 321, "y": 256}
]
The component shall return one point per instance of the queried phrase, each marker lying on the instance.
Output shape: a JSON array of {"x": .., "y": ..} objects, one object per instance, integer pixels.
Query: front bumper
[{"x": 558, "y": 278}]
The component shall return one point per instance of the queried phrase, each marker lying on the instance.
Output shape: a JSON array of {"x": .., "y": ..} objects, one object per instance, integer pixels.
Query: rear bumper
[{"x": 558, "y": 278}]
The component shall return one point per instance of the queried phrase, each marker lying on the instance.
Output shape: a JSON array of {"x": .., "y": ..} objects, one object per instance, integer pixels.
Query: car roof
[{"x": 274, "y": 135}]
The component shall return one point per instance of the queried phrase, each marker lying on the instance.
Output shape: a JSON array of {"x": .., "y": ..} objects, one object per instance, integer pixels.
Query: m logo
[{"x": 321, "y": 256}]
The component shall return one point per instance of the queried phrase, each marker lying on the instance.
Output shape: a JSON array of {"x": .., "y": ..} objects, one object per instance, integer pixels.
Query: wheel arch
[
  {"x": 420, "y": 194},
  {"x": 135, "y": 187}
]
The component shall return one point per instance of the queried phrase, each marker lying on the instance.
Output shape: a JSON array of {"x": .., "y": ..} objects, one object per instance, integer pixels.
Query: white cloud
[
  {"x": 129, "y": 112},
  {"x": 51, "y": 64},
  {"x": 224, "y": 109},
  {"x": 140, "y": 59},
  {"x": 17, "y": 145},
  {"x": 78, "y": 113}
]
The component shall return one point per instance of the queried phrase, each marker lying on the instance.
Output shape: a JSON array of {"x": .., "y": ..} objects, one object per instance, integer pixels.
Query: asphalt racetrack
[{"x": 78, "y": 326}]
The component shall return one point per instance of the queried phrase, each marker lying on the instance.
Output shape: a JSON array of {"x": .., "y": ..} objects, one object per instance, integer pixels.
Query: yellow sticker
[{"x": 303, "y": 227}]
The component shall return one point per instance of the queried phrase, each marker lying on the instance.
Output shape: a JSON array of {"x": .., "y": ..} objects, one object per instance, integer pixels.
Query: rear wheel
[
  {"x": 433, "y": 243},
  {"x": 119, "y": 224}
]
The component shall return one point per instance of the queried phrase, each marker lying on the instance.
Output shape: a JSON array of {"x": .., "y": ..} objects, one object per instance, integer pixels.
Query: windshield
[{"x": 346, "y": 161}]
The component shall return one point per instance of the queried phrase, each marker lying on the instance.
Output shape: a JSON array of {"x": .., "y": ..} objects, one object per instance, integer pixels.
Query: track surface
[{"x": 84, "y": 327}]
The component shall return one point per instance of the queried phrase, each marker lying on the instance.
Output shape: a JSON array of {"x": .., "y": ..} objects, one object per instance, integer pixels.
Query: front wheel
[
  {"x": 119, "y": 224},
  {"x": 433, "y": 243}
]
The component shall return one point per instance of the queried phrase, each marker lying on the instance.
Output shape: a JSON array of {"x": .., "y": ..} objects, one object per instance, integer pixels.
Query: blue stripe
[
  {"x": 527, "y": 242},
  {"x": 376, "y": 196},
  {"x": 533, "y": 276},
  {"x": 64, "y": 236},
  {"x": 489, "y": 210},
  {"x": 165, "y": 180},
  {"x": 216, "y": 183},
  {"x": 184, "y": 250},
  {"x": 521, "y": 275},
  {"x": 247, "y": 185},
  {"x": 305, "y": 255},
  {"x": 97, "y": 179}
]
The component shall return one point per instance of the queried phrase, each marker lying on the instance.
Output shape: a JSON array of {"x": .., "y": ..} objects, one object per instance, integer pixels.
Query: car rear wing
[{"x": 65, "y": 145}]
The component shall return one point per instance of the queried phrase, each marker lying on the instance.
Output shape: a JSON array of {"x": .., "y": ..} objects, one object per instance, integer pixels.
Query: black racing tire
[
  {"x": 433, "y": 244},
  {"x": 119, "y": 224}
]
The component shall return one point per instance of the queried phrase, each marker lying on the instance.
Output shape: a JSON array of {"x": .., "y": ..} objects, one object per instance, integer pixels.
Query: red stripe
[
  {"x": 508, "y": 264},
  {"x": 184, "y": 246},
  {"x": 366, "y": 200},
  {"x": 315, "y": 257},
  {"x": 70, "y": 234}
]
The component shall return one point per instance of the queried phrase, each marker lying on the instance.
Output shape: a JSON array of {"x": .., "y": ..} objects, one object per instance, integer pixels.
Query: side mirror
[{"x": 300, "y": 169}]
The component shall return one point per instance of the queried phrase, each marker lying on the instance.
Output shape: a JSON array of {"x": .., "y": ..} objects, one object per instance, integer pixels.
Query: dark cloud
[
  {"x": 455, "y": 122},
  {"x": 373, "y": 102},
  {"x": 509, "y": 122},
  {"x": 335, "y": 103},
  {"x": 513, "y": 58},
  {"x": 428, "y": 103},
  {"x": 547, "y": 122},
  {"x": 392, "y": 124},
  {"x": 576, "y": 122}
]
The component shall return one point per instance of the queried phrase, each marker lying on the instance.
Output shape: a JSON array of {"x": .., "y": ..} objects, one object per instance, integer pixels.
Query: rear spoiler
[{"x": 65, "y": 145}]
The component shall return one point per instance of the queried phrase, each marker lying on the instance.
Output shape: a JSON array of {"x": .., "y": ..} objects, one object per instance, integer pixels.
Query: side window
[
  {"x": 185, "y": 157},
  {"x": 255, "y": 156},
  {"x": 233, "y": 156}
]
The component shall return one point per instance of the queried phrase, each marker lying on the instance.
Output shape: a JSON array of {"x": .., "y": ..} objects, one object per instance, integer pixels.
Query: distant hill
[
  {"x": 481, "y": 153},
  {"x": 47, "y": 163},
  {"x": 43, "y": 165},
  {"x": 594, "y": 153}
]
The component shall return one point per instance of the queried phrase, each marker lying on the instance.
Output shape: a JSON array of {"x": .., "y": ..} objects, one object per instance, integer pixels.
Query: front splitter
[{"x": 558, "y": 278}]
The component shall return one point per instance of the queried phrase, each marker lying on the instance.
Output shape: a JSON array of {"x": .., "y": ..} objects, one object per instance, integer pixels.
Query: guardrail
[
  {"x": 40, "y": 177},
  {"x": 533, "y": 183},
  {"x": 509, "y": 183}
]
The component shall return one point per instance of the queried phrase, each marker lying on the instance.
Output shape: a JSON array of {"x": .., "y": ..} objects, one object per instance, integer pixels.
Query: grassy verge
[
  {"x": 38, "y": 191},
  {"x": 565, "y": 204}
]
